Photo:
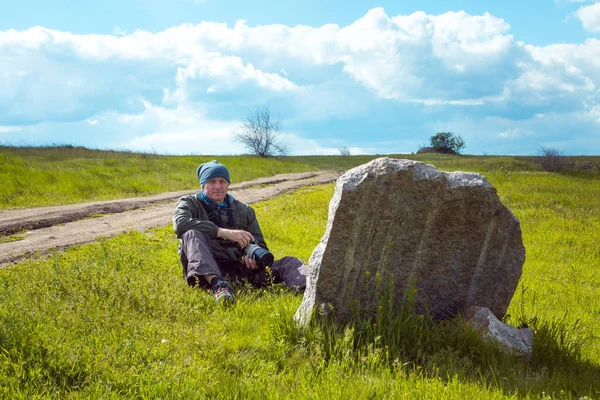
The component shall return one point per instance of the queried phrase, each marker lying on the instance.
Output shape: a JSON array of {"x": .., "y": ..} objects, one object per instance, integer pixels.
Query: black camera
[{"x": 263, "y": 257}]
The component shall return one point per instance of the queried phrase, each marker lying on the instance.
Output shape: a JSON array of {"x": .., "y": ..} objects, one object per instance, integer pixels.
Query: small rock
[{"x": 518, "y": 341}]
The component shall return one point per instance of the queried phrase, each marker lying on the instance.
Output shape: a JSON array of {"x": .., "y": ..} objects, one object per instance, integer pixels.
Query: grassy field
[
  {"x": 47, "y": 176},
  {"x": 114, "y": 319}
]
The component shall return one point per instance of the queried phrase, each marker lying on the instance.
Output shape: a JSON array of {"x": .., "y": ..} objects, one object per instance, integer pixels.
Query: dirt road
[{"x": 58, "y": 227}]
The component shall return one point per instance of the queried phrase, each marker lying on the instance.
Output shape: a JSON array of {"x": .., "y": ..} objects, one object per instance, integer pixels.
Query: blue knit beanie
[{"x": 211, "y": 170}]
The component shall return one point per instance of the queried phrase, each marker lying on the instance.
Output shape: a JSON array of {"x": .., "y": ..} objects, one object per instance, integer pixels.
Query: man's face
[{"x": 216, "y": 189}]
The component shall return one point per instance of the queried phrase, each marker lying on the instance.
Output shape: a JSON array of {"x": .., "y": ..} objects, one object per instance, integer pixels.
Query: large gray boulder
[{"x": 447, "y": 235}]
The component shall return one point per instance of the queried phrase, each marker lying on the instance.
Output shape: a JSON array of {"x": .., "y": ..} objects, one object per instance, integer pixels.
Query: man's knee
[
  {"x": 291, "y": 271},
  {"x": 197, "y": 257},
  {"x": 193, "y": 234},
  {"x": 194, "y": 243}
]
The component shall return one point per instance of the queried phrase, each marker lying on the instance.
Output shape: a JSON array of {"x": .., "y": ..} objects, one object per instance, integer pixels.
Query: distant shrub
[
  {"x": 551, "y": 159},
  {"x": 425, "y": 149},
  {"x": 444, "y": 142}
]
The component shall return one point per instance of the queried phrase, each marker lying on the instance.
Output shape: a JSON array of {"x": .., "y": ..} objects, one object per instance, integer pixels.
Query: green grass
[
  {"x": 449, "y": 162},
  {"x": 114, "y": 319},
  {"x": 11, "y": 238},
  {"x": 43, "y": 176}
]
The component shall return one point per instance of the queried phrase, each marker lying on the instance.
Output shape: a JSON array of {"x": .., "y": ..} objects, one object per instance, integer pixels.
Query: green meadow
[
  {"x": 115, "y": 319},
  {"x": 46, "y": 176}
]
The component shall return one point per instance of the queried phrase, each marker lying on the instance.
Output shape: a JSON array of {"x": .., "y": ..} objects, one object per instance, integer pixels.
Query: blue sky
[{"x": 178, "y": 76}]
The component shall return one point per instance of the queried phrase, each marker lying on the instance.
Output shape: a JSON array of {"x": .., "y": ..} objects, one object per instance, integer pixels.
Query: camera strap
[{"x": 213, "y": 210}]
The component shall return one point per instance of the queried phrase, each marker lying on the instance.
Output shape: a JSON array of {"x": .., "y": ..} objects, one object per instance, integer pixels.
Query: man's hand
[
  {"x": 243, "y": 238},
  {"x": 250, "y": 263}
]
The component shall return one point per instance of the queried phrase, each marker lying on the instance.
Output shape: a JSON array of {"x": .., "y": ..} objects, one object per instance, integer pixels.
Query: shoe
[{"x": 223, "y": 293}]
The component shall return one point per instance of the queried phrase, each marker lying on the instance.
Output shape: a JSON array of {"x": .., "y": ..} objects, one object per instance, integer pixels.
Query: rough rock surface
[
  {"x": 447, "y": 235},
  {"x": 518, "y": 341}
]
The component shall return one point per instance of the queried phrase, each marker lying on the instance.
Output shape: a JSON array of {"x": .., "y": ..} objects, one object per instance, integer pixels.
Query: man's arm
[
  {"x": 188, "y": 215},
  {"x": 241, "y": 237},
  {"x": 254, "y": 228}
]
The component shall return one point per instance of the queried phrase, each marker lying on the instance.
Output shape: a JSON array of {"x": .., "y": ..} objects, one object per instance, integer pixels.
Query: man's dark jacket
[{"x": 190, "y": 214}]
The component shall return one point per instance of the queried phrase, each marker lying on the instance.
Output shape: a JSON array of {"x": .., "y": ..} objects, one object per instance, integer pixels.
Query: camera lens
[{"x": 263, "y": 257}]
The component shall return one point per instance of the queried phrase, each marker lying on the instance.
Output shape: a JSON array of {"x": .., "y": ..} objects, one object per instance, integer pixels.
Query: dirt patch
[{"x": 62, "y": 226}]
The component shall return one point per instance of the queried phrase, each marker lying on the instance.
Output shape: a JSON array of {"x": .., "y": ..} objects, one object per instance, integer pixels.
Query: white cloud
[
  {"x": 7, "y": 129},
  {"x": 590, "y": 17},
  {"x": 452, "y": 59},
  {"x": 512, "y": 133},
  {"x": 207, "y": 139},
  {"x": 302, "y": 146},
  {"x": 185, "y": 131},
  {"x": 558, "y": 77},
  {"x": 229, "y": 72},
  {"x": 445, "y": 56},
  {"x": 179, "y": 130},
  {"x": 171, "y": 88},
  {"x": 53, "y": 75},
  {"x": 566, "y": 2},
  {"x": 400, "y": 57}
]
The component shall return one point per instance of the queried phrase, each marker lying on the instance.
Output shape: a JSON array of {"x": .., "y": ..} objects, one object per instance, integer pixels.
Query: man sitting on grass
[{"x": 214, "y": 230}]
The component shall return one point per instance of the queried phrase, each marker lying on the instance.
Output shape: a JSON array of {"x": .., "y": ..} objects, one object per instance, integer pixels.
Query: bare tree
[
  {"x": 344, "y": 151},
  {"x": 260, "y": 133}
]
